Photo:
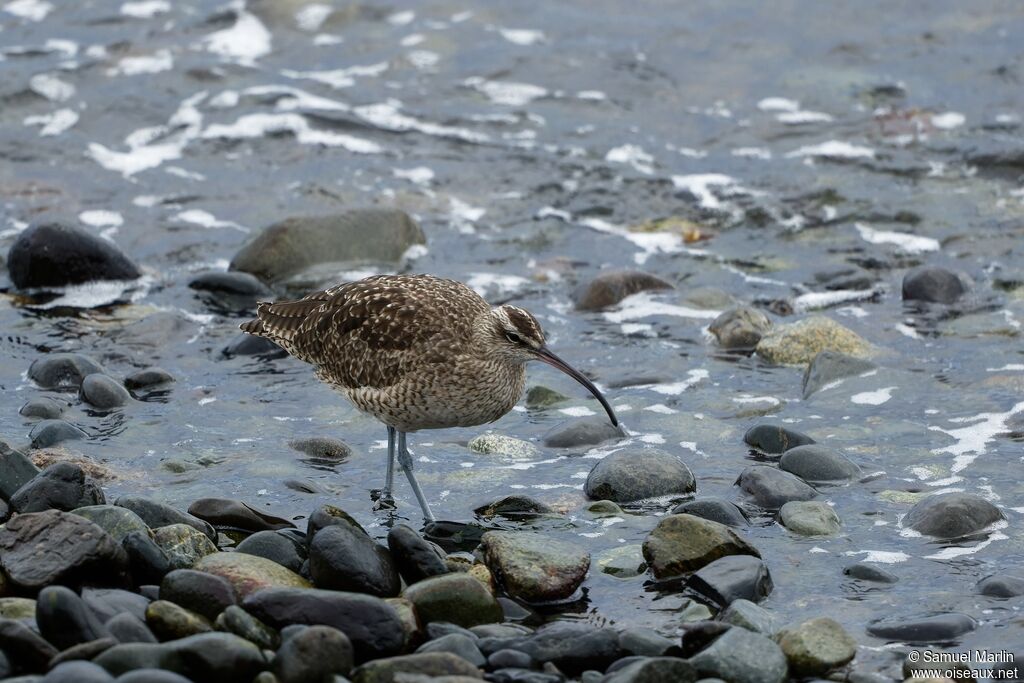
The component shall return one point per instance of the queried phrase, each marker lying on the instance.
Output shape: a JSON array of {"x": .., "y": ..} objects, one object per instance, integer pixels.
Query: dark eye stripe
[{"x": 523, "y": 322}]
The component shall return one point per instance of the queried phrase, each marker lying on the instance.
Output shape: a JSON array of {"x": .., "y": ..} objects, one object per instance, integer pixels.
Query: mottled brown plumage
[{"x": 415, "y": 351}]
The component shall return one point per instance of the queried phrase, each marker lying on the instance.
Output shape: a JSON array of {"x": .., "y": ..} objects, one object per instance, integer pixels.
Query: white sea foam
[
  {"x": 161, "y": 60},
  {"x": 778, "y": 104},
  {"x": 752, "y": 152},
  {"x": 423, "y": 59},
  {"x": 948, "y": 120},
  {"x": 798, "y": 118},
  {"x": 634, "y": 155},
  {"x": 971, "y": 440},
  {"x": 339, "y": 78},
  {"x": 834, "y": 149},
  {"x": 244, "y": 42},
  {"x": 312, "y": 17},
  {"x": 881, "y": 556},
  {"x": 495, "y": 284},
  {"x": 592, "y": 95},
  {"x": 53, "y": 123},
  {"x": 522, "y": 36},
  {"x": 207, "y": 220},
  {"x": 144, "y": 9},
  {"x": 33, "y": 10},
  {"x": 420, "y": 175},
  {"x": 700, "y": 184},
  {"x": 325, "y": 39},
  {"x": 816, "y": 300},
  {"x": 51, "y": 87},
  {"x": 661, "y": 409},
  {"x": 994, "y": 534},
  {"x": 694, "y": 377},
  {"x": 577, "y": 411},
  {"x": 464, "y": 216},
  {"x": 770, "y": 400},
  {"x": 644, "y": 304},
  {"x": 912, "y": 244},
  {"x": 873, "y": 398},
  {"x": 101, "y": 218},
  {"x": 507, "y": 93},
  {"x": 387, "y": 115},
  {"x": 1008, "y": 366},
  {"x": 258, "y": 125},
  {"x": 401, "y": 18}
]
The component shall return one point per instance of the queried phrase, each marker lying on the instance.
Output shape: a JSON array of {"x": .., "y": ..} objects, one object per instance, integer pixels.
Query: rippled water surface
[{"x": 528, "y": 139}]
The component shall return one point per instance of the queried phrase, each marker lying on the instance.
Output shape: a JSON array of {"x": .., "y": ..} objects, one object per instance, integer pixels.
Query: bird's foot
[{"x": 382, "y": 500}]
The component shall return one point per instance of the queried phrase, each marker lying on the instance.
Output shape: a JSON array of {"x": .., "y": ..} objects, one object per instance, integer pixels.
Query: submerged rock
[
  {"x": 716, "y": 509},
  {"x": 817, "y": 646},
  {"x": 52, "y": 254},
  {"x": 869, "y": 572},
  {"x": 322, "y": 447},
  {"x": 103, "y": 392},
  {"x": 43, "y": 407},
  {"x": 234, "y": 514},
  {"x": 499, "y": 444},
  {"x": 39, "y": 549},
  {"x": 539, "y": 397},
  {"x": 933, "y": 284},
  {"x": 930, "y": 628},
  {"x": 48, "y": 433},
  {"x": 770, "y": 488},
  {"x": 583, "y": 431},
  {"x": 355, "y": 236},
  {"x": 818, "y": 464},
  {"x": 749, "y": 615},
  {"x": 684, "y": 543},
  {"x": 809, "y": 518},
  {"x": 514, "y": 507},
  {"x": 740, "y": 328},
  {"x": 147, "y": 378},
  {"x": 632, "y": 475},
  {"x": 774, "y": 439},
  {"x": 608, "y": 289},
  {"x": 952, "y": 515},
  {"x": 799, "y": 342},
  {"x": 1001, "y": 586},
  {"x": 830, "y": 366},
  {"x": 533, "y": 567},
  {"x": 624, "y": 561},
  {"x": 62, "y": 370}
]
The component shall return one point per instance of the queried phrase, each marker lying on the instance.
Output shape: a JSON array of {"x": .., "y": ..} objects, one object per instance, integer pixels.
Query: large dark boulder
[{"x": 51, "y": 254}]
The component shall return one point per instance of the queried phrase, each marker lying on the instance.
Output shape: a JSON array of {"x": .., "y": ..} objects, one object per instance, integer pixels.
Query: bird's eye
[{"x": 513, "y": 337}]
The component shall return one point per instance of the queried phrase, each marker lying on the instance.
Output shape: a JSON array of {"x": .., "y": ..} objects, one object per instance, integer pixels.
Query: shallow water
[{"x": 799, "y": 136}]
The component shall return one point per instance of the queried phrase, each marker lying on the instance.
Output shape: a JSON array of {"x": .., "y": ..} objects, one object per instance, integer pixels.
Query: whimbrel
[{"x": 416, "y": 352}]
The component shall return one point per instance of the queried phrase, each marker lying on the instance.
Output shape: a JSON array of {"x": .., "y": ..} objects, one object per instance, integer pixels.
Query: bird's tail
[{"x": 281, "y": 322}]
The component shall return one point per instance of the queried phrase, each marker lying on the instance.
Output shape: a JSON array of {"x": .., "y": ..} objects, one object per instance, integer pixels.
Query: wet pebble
[
  {"x": 250, "y": 573},
  {"x": 156, "y": 514},
  {"x": 43, "y": 407},
  {"x": 742, "y": 656},
  {"x": 109, "y": 602},
  {"x": 16, "y": 470},
  {"x": 39, "y": 549},
  {"x": 951, "y": 515},
  {"x": 732, "y": 578},
  {"x": 234, "y": 514},
  {"x": 868, "y": 572},
  {"x": 293, "y": 245},
  {"x": 749, "y": 615},
  {"x": 740, "y": 328},
  {"x": 645, "y": 642},
  {"x": 798, "y": 343},
  {"x": 458, "y": 644},
  {"x": 344, "y": 557},
  {"x": 770, "y": 488},
  {"x": 316, "y": 654},
  {"x": 774, "y": 439},
  {"x": 427, "y": 664},
  {"x": 830, "y": 366},
  {"x": 371, "y": 624},
  {"x": 509, "y": 659},
  {"x": 77, "y": 672},
  {"x": 714, "y": 509},
  {"x": 533, "y": 567},
  {"x": 62, "y": 370},
  {"x": 147, "y": 560},
  {"x": 1001, "y": 586},
  {"x": 457, "y": 598},
  {"x": 816, "y": 646},
  {"x": 232, "y": 292},
  {"x": 248, "y": 345},
  {"x": 635, "y": 474},
  {"x": 654, "y": 670},
  {"x": 499, "y": 444},
  {"x": 169, "y": 621},
  {"x": 608, "y": 289},
  {"x": 116, "y": 521},
  {"x": 103, "y": 392},
  {"x": 624, "y": 562},
  {"x": 933, "y": 284},
  {"x": 573, "y": 647},
  {"x": 684, "y": 543},
  {"x": 514, "y": 507},
  {"x": 809, "y": 518},
  {"x": 928, "y": 628},
  {"x": 53, "y": 254},
  {"x": 128, "y": 628},
  {"x": 275, "y": 547},
  {"x": 415, "y": 557},
  {"x": 147, "y": 378},
  {"x": 65, "y": 620},
  {"x": 183, "y": 545},
  {"x": 204, "y": 593},
  {"x": 48, "y": 433},
  {"x": 25, "y": 648},
  {"x": 221, "y": 657},
  {"x": 322, "y": 447},
  {"x": 817, "y": 464},
  {"x": 584, "y": 431},
  {"x": 236, "y": 620},
  {"x": 151, "y": 676},
  {"x": 62, "y": 486}
]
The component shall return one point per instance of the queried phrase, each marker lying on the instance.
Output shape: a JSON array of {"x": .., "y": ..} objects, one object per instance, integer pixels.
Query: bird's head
[{"x": 515, "y": 336}]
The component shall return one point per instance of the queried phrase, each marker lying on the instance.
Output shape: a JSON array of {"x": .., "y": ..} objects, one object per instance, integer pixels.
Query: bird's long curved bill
[{"x": 545, "y": 355}]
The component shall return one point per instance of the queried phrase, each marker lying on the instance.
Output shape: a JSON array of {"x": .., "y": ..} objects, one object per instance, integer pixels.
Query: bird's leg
[
  {"x": 384, "y": 500},
  {"x": 405, "y": 460}
]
